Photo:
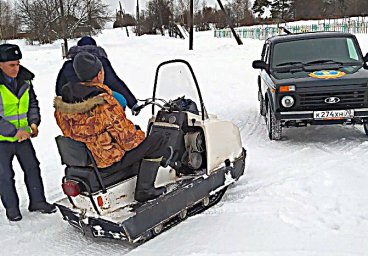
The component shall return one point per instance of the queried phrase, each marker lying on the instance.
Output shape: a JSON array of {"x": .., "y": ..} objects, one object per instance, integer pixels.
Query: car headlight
[{"x": 287, "y": 101}]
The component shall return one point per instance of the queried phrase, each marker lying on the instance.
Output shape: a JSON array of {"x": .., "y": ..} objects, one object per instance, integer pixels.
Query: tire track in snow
[
  {"x": 250, "y": 124},
  {"x": 315, "y": 150}
]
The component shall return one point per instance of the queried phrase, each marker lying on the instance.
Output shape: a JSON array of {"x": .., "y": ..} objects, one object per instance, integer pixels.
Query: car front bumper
[{"x": 359, "y": 113}]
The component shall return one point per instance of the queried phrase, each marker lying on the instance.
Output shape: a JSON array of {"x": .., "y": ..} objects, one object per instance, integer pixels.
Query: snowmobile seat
[{"x": 81, "y": 166}]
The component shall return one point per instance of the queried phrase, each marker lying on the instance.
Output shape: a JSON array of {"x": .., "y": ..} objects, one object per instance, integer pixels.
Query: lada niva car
[{"x": 312, "y": 79}]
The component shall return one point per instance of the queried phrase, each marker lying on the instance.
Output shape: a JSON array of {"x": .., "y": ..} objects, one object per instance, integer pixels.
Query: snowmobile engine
[{"x": 194, "y": 149}]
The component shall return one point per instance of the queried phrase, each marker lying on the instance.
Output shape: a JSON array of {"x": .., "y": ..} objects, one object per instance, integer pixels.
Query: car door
[{"x": 265, "y": 79}]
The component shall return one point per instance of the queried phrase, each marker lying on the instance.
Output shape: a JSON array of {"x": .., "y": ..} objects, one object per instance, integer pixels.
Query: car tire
[
  {"x": 273, "y": 125},
  {"x": 365, "y": 125},
  {"x": 262, "y": 104}
]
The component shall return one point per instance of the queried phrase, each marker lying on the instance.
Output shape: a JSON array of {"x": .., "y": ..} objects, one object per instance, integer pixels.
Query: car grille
[{"x": 349, "y": 98}]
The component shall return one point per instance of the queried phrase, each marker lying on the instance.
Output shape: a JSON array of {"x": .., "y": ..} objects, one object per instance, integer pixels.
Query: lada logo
[{"x": 332, "y": 100}]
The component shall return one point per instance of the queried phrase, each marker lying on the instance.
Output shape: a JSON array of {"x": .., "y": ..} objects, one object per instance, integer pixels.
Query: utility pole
[
  {"x": 160, "y": 5},
  {"x": 62, "y": 23},
  {"x": 237, "y": 38},
  {"x": 138, "y": 32},
  {"x": 191, "y": 25}
]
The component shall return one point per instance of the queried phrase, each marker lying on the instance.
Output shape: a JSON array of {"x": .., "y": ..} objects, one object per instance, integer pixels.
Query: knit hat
[
  {"x": 86, "y": 66},
  {"x": 9, "y": 52},
  {"x": 86, "y": 40}
]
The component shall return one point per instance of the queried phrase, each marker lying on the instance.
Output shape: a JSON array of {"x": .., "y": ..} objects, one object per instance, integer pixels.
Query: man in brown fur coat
[{"x": 87, "y": 112}]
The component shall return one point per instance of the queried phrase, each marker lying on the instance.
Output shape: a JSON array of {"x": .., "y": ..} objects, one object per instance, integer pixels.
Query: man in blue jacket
[
  {"x": 120, "y": 90},
  {"x": 19, "y": 121}
]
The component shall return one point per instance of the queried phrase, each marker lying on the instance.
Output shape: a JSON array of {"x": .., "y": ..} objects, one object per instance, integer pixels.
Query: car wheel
[
  {"x": 262, "y": 104},
  {"x": 273, "y": 125},
  {"x": 365, "y": 125}
]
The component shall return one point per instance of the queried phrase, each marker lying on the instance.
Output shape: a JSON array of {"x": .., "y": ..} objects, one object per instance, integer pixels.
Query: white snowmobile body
[{"x": 208, "y": 157}]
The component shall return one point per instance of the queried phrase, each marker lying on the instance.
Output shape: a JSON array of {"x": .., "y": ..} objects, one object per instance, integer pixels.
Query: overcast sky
[{"x": 128, "y": 5}]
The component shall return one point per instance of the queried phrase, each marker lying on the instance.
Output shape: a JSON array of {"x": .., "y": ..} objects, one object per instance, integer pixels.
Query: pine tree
[
  {"x": 259, "y": 6},
  {"x": 281, "y": 9}
]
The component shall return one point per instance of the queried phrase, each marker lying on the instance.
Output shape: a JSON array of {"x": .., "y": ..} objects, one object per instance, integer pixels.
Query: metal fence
[{"x": 268, "y": 31}]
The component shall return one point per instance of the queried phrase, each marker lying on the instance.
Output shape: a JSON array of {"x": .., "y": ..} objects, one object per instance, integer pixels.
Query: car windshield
[{"x": 316, "y": 51}]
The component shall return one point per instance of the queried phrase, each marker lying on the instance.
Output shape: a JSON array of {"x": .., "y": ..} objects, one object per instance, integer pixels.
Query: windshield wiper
[
  {"x": 289, "y": 63},
  {"x": 352, "y": 63},
  {"x": 323, "y": 62}
]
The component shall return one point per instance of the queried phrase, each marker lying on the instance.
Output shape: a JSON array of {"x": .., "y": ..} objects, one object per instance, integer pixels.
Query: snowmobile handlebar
[
  {"x": 169, "y": 106},
  {"x": 150, "y": 101}
]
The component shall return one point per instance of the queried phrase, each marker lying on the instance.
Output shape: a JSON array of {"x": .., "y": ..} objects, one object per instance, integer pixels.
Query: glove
[
  {"x": 120, "y": 98},
  {"x": 137, "y": 127},
  {"x": 136, "y": 109}
]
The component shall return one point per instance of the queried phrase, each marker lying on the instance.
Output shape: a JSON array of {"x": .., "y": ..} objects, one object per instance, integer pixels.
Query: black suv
[{"x": 312, "y": 78}]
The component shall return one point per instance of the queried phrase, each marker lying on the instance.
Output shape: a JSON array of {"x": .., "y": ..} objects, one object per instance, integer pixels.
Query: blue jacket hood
[{"x": 93, "y": 49}]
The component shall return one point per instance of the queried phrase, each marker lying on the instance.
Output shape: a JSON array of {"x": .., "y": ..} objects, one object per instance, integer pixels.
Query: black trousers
[
  {"x": 30, "y": 165},
  {"x": 153, "y": 146}
]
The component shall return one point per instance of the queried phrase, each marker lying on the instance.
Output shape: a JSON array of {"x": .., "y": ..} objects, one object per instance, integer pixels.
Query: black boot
[
  {"x": 13, "y": 214},
  {"x": 145, "y": 189},
  {"x": 42, "y": 207}
]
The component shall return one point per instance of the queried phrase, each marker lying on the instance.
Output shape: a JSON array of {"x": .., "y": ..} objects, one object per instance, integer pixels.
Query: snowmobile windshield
[{"x": 175, "y": 83}]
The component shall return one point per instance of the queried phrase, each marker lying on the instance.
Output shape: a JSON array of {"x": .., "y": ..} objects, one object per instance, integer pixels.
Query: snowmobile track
[{"x": 196, "y": 209}]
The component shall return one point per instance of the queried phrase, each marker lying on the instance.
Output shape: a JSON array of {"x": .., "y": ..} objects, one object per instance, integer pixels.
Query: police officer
[{"x": 19, "y": 120}]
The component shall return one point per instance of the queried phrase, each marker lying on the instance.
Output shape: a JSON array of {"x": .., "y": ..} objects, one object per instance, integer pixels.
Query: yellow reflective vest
[{"x": 14, "y": 110}]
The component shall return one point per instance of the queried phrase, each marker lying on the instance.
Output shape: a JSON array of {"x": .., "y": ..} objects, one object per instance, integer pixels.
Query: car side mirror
[
  {"x": 259, "y": 64},
  {"x": 365, "y": 58}
]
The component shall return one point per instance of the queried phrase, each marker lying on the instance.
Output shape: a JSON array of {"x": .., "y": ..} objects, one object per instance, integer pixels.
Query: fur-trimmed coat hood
[
  {"x": 79, "y": 107},
  {"x": 96, "y": 120}
]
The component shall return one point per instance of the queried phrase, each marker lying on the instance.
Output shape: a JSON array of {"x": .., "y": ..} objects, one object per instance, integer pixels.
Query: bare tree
[
  {"x": 158, "y": 14},
  {"x": 38, "y": 16},
  {"x": 8, "y": 21},
  {"x": 240, "y": 11},
  {"x": 48, "y": 20},
  {"x": 181, "y": 10}
]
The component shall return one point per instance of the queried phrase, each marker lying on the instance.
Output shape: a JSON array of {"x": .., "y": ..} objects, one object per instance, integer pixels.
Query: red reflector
[
  {"x": 71, "y": 188},
  {"x": 100, "y": 201}
]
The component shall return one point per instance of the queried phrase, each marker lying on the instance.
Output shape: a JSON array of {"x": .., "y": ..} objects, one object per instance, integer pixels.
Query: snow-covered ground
[{"x": 305, "y": 195}]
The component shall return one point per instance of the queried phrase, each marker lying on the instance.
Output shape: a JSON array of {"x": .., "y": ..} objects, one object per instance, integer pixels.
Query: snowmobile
[{"x": 207, "y": 156}]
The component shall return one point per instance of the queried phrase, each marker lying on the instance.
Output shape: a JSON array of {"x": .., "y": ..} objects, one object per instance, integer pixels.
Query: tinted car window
[{"x": 337, "y": 49}]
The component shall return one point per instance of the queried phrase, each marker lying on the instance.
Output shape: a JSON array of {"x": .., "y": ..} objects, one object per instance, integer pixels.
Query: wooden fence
[{"x": 268, "y": 31}]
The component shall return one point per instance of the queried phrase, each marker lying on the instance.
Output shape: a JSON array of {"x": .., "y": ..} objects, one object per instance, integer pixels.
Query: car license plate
[{"x": 333, "y": 114}]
